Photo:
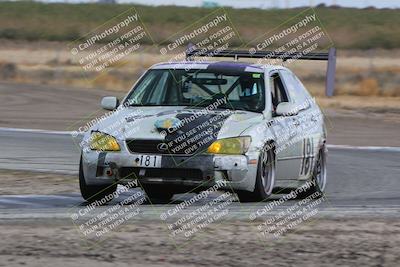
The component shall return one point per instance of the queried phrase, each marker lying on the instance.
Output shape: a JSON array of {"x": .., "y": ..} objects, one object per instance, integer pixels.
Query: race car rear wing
[{"x": 330, "y": 56}]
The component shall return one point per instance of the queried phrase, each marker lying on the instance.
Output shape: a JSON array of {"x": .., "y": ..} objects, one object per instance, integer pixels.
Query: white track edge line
[{"x": 5, "y": 129}]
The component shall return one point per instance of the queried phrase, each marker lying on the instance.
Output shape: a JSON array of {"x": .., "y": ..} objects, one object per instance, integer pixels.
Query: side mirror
[
  {"x": 109, "y": 102},
  {"x": 286, "y": 109}
]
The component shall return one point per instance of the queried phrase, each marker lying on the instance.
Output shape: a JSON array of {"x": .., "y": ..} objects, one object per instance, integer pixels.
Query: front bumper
[{"x": 202, "y": 170}]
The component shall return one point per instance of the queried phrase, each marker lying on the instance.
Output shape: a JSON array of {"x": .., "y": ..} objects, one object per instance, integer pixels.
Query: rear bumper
[{"x": 190, "y": 171}]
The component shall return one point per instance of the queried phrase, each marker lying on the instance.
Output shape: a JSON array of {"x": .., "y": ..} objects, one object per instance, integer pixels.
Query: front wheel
[
  {"x": 91, "y": 193},
  {"x": 265, "y": 179},
  {"x": 158, "y": 194}
]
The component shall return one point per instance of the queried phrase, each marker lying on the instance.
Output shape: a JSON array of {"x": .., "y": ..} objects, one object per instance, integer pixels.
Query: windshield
[{"x": 166, "y": 87}]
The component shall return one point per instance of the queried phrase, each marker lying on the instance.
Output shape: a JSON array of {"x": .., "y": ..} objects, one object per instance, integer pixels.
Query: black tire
[
  {"x": 158, "y": 194},
  {"x": 319, "y": 177},
  {"x": 265, "y": 179},
  {"x": 93, "y": 193}
]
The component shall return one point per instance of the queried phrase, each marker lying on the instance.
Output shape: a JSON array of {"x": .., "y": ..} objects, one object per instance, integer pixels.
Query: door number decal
[{"x": 308, "y": 157}]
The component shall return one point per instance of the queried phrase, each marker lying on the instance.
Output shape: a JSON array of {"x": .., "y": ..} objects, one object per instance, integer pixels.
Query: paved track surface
[{"x": 361, "y": 181}]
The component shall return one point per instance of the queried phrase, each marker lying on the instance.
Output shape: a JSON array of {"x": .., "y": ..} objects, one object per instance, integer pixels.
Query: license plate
[{"x": 149, "y": 161}]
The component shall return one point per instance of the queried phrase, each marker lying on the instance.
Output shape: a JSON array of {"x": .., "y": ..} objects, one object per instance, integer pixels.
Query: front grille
[
  {"x": 184, "y": 174},
  {"x": 152, "y": 146},
  {"x": 143, "y": 146}
]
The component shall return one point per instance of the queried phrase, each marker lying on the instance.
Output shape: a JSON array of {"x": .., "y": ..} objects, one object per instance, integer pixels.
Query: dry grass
[
  {"x": 8, "y": 71},
  {"x": 360, "y": 81},
  {"x": 375, "y": 104},
  {"x": 368, "y": 87},
  {"x": 349, "y": 27},
  {"x": 365, "y": 87}
]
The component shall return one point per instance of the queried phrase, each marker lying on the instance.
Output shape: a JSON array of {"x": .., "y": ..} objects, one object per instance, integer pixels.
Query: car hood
[{"x": 154, "y": 122}]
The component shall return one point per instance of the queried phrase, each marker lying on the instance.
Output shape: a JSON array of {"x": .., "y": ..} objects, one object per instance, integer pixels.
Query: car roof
[{"x": 217, "y": 65}]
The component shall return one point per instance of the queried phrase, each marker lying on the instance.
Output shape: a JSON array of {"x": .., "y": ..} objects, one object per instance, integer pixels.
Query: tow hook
[{"x": 112, "y": 169}]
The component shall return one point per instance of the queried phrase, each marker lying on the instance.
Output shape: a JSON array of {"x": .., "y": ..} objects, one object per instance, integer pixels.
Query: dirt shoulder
[
  {"x": 324, "y": 242},
  {"x": 351, "y": 120},
  {"x": 25, "y": 182}
]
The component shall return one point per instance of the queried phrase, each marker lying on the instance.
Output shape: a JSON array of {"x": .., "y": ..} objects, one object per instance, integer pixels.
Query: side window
[
  {"x": 277, "y": 90},
  {"x": 295, "y": 88},
  {"x": 302, "y": 87}
]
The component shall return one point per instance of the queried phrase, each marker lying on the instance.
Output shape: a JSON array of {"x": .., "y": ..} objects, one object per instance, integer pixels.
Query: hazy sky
[
  {"x": 276, "y": 3},
  {"x": 258, "y": 3}
]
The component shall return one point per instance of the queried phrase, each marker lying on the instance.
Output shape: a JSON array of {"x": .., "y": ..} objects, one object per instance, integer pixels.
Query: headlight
[
  {"x": 237, "y": 145},
  {"x": 103, "y": 142}
]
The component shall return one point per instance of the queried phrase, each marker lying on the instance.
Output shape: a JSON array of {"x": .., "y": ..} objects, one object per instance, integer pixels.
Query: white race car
[{"x": 186, "y": 126}]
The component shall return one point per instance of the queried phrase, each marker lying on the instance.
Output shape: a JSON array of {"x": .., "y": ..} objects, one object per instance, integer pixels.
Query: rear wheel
[
  {"x": 92, "y": 193},
  {"x": 318, "y": 178},
  {"x": 265, "y": 179}
]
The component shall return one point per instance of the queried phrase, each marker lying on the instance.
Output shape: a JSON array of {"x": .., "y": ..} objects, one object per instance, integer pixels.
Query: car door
[
  {"x": 308, "y": 133},
  {"x": 284, "y": 129}
]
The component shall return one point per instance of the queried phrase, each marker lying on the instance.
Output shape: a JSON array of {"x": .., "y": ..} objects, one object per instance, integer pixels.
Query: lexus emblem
[{"x": 162, "y": 147}]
